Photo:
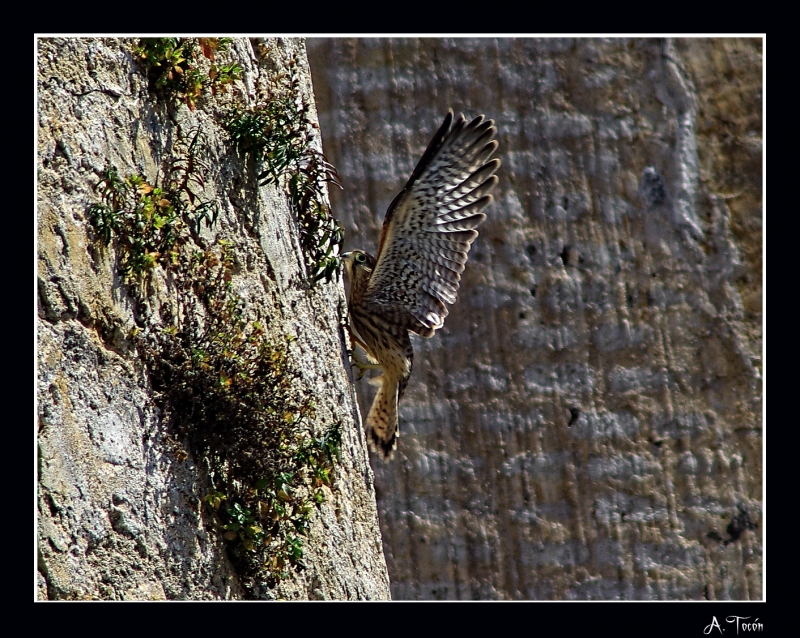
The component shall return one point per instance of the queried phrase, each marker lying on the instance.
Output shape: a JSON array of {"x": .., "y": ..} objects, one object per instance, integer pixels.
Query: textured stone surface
[
  {"x": 588, "y": 422},
  {"x": 120, "y": 514}
]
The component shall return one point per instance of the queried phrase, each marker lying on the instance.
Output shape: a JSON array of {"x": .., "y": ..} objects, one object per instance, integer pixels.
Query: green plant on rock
[
  {"x": 150, "y": 222},
  {"x": 271, "y": 132},
  {"x": 187, "y": 173},
  {"x": 227, "y": 387},
  {"x": 321, "y": 234},
  {"x": 277, "y": 133},
  {"x": 173, "y": 66},
  {"x": 223, "y": 380},
  {"x": 143, "y": 218},
  {"x": 271, "y": 519},
  {"x": 233, "y": 392}
]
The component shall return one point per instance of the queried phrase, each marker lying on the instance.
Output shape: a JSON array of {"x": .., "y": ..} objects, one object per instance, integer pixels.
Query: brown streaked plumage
[{"x": 426, "y": 235}]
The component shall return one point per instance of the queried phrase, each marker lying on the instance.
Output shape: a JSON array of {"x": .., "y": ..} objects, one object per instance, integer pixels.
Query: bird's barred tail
[{"x": 382, "y": 418}]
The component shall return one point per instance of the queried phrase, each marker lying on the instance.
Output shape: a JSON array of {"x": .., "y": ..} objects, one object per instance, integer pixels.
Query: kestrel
[{"x": 426, "y": 235}]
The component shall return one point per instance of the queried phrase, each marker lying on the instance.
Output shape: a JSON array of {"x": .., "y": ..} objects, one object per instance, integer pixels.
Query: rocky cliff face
[
  {"x": 126, "y": 504},
  {"x": 587, "y": 424}
]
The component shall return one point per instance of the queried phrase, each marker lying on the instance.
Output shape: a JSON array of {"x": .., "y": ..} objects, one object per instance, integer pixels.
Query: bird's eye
[{"x": 360, "y": 258}]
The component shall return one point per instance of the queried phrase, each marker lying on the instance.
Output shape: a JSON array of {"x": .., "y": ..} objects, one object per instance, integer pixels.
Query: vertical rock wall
[
  {"x": 120, "y": 507},
  {"x": 587, "y": 424}
]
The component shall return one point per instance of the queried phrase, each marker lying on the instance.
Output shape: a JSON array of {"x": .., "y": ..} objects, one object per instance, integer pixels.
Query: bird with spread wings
[{"x": 426, "y": 235}]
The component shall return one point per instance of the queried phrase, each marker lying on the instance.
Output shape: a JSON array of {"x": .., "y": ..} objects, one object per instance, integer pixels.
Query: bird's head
[
  {"x": 357, "y": 263},
  {"x": 359, "y": 266}
]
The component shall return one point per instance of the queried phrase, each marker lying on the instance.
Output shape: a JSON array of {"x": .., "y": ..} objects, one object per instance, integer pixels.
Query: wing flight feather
[{"x": 430, "y": 225}]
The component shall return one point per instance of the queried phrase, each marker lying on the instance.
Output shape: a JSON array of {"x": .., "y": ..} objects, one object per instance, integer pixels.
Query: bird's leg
[{"x": 362, "y": 365}]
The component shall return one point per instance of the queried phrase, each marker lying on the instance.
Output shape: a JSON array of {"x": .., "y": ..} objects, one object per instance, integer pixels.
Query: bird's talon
[{"x": 362, "y": 366}]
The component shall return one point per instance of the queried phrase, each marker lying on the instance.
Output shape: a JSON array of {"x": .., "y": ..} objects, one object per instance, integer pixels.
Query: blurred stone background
[{"x": 588, "y": 423}]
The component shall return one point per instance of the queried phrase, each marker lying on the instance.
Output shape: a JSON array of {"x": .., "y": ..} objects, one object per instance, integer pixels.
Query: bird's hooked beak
[{"x": 347, "y": 260}]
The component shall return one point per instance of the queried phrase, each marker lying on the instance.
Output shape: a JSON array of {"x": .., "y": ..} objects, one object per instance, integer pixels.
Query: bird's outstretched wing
[{"x": 431, "y": 223}]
